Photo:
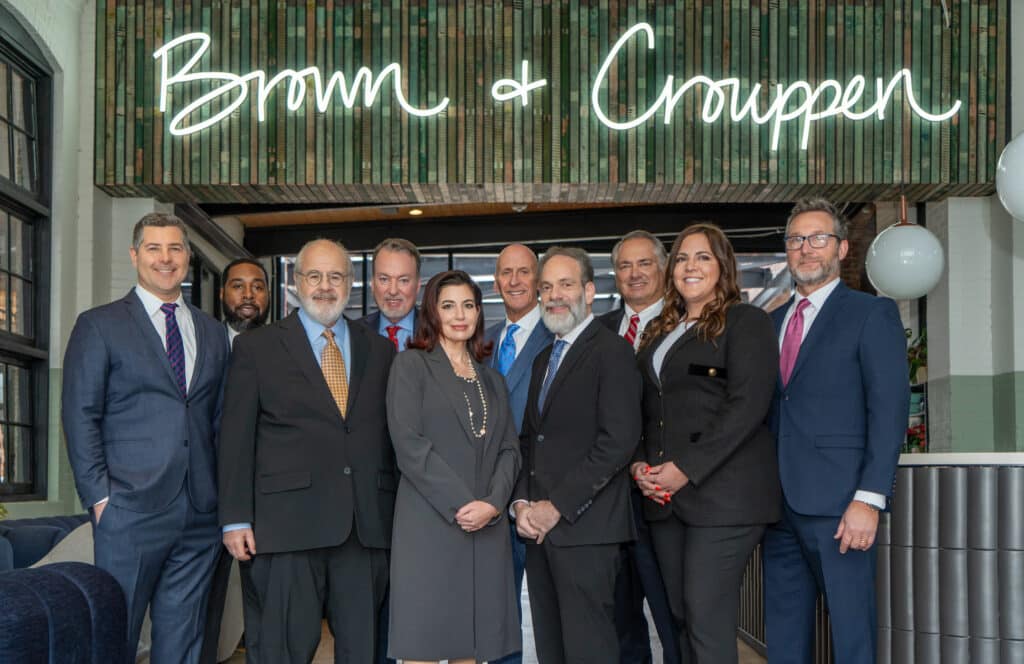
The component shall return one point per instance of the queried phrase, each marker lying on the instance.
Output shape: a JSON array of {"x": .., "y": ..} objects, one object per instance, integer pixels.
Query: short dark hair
[
  {"x": 428, "y": 334},
  {"x": 840, "y": 226},
  {"x": 400, "y": 245},
  {"x": 243, "y": 261},
  {"x": 581, "y": 257},
  {"x": 159, "y": 220}
]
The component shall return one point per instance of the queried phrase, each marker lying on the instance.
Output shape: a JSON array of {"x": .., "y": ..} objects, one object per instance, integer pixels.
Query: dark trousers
[
  {"x": 640, "y": 577},
  {"x": 518, "y": 567},
  {"x": 296, "y": 589},
  {"x": 215, "y": 607},
  {"x": 703, "y": 569},
  {"x": 252, "y": 612},
  {"x": 801, "y": 559},
  {"x": 572, "y": 601},
  {"x": 164, "y": 562}
]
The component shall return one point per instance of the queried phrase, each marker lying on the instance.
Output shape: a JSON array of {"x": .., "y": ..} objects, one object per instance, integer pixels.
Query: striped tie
[
  {"x": 634, "y": 326},
  {"x": 175, "y": 349},
  {"x": 333, "y": 365}
]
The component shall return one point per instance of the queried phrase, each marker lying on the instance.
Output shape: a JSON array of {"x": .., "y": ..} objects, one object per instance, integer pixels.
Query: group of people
[{"x": 396, "y": 475}]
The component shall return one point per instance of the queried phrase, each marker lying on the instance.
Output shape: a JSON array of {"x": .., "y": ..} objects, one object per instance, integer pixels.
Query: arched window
[{"x": 25, "y": 129}]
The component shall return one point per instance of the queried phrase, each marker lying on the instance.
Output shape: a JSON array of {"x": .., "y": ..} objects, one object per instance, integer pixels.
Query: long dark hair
[
  {"x": 711, "y": 323},
  {"x": 429, "y": 331}
]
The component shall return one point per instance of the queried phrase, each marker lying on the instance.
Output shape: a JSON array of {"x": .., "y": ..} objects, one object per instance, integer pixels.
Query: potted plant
[{"x": 917, "y": 357}]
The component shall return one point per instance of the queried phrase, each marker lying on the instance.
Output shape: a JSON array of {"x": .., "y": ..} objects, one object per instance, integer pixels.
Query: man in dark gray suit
[
  {"x": 517, "y": 340},
  {"x": 143, "y": 378},
  {"x": 395, "y": 285}
]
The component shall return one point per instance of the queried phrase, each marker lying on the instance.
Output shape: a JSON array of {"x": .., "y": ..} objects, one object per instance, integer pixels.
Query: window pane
[
  {"x": 24, "y": 161},
  {"x": 20, "y": 450},
  {"x": 4, "y": 82},
  {"x": 5, "y": 470},
  {"x": 21, "y": 248},
  {"x": 21, "y": 307},
  {"x": 5, "y": 150},
  {"x": 19, "y": 395},
  {"x": 5, "y": 323},
  {"x": 17, "y": 99},
  {"x": 3, "y": 241},
  {"x": 3, "y": 392}
]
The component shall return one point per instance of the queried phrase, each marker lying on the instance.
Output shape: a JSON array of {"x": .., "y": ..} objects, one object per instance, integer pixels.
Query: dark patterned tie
[{"x": 175, "y": 349}]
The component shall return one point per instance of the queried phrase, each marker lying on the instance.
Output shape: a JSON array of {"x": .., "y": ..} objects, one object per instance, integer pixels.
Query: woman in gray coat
[{"x": 452, "y": 593}]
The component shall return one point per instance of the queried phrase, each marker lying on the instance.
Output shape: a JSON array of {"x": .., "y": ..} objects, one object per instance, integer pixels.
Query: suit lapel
[
  {"x": 648, "y": 360},
  {"x": 201, "y": 342},
  {"x": 360, "y": 347},
  {"x": 296, "y": 343},
  {"x": 451, "y": 385},
  {"x": 819, "y": 329},
  {"x": 778, "y": 317},
  {"x": 520, "y": 370},
  {"x": 151, "y": 337},
  {"x": 572, "y": 356}
]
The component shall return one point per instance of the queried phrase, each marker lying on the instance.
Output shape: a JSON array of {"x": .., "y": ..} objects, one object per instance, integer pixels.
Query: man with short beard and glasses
[
  {"x": 571, "y": 504},
  {"x": 245, "y": 301},
  {"x": 839, "y": 414},
  {"x": 307, "y": 471}
]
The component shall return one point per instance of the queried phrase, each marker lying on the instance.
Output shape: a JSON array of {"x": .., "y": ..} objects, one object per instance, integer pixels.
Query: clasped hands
[
  {"x": 474, "y": 515},
  {"x": 659, "y": 483},
  {"x": 534, "y": 520}
]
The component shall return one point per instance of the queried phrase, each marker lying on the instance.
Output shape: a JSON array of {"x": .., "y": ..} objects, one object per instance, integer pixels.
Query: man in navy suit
[
  {"x": 639, "y": 262},
  {"x": 395, "y": 285},
  {"x": 517, "y": 341},
  {"x": 143, "y": 378},
  {"x": 839, "y": 414}
]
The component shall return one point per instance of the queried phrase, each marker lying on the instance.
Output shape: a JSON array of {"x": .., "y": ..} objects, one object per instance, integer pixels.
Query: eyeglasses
[
  {"x": 313, "y": 278},
  {"x": 817, "y": 241}
]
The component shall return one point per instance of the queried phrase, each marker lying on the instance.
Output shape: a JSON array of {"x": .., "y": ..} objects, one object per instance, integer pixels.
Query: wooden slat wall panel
[{"x": 555, "y": 148}]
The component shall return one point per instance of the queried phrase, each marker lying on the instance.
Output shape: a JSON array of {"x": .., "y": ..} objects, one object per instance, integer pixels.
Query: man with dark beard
[
  {"x": 245, "y": 300},
  {"x": 839, "y": 414},
  {"x": 581, "y": 427},
  {"x": 307, "y": 471}
]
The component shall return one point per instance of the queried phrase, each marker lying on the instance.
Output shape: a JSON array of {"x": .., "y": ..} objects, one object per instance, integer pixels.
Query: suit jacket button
[
  {"x": 540, "y": 438},
  {"x": 712, "y": 371},
  {"x": 661, "y": 453},
  {"x": 347, "y": 470},
  {"x": 532, "y": 473},
  {"x": 185, "y": 444},
  {"x": 661, "y": 424}
]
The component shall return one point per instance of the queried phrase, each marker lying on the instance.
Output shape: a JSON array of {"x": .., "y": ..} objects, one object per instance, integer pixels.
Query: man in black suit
[
  {"x": 245, "y": 302},
  {"x": 572, "y": 503},
  {"x": 307, "y": 471},
  {"x": 639, "y": 263},
  {"x": 395, "y": 285}
]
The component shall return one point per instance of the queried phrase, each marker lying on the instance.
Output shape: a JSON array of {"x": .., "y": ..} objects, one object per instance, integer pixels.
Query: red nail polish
[
  {"x": 668, "y": 496},
  {"x": 657, "y": 488},
  {"x": 647, "y": 469}
]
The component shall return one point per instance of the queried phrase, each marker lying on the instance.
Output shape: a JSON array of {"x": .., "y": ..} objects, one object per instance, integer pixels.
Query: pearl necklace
[{"x": 469, "y": 407}]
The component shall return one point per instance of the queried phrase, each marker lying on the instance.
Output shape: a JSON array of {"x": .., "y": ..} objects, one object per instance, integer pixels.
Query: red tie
[
  {"x": 393, "y": 335},
  {"x": 634, "y": 325},
  {"x": 791, "y": 342}
]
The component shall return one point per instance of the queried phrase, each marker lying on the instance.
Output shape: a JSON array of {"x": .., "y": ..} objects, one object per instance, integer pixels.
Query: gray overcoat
[{"x": 452, "y": 592}]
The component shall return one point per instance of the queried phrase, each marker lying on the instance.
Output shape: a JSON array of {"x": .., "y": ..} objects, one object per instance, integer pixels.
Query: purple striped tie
[{"x": 175, "y": 349}]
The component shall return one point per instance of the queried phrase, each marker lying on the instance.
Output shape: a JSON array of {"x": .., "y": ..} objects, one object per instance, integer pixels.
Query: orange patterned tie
[{"x": 333, "y": 366}]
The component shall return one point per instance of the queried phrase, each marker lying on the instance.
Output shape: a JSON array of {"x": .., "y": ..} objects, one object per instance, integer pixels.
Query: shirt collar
[
  {"x": 819, "y": 296},
  {"x": 315, "y": 330},
  {"x": 576, "y": 331},
  {"x": 527, "y": 322},
  {"x": 406, "y": 323},
  {"x": 151, "y": 303},
  {"x": 648, "y": 314}
]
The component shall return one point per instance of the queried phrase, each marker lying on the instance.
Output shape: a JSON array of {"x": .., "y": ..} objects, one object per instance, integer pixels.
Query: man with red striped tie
[{"x": 639, "y": 263}]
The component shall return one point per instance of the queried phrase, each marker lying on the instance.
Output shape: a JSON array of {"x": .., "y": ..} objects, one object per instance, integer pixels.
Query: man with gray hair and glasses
[
  {"x": 141, "y": 402},
  {"x": 839, "y": 415},
  {"x": 307, "y": 472},
  {"x": 581, "y": 427}
]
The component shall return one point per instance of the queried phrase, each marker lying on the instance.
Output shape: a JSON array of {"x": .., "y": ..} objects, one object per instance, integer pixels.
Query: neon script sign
[{"x": 798, "y": 102}]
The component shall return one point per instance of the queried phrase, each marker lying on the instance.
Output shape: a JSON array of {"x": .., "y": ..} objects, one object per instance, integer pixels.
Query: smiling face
[
  {"x": 638, "y": 274},
  {"x": 245, "y": 297},
  {"x": 695, "y": 273},
  {"x": 563, "y": 295},
  {"x": 323, "y": 302},
  {"x": 396, "y": 281},
  {"x": 458, "y": 313},
  {"x": 515, "y": 279},
  {"x": 813, "y": 268},
  {"x": 161, "y": 261}
]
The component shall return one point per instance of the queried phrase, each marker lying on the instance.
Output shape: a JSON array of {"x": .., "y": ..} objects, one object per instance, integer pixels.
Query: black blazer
[
  {"x": 707, "y": 415},
  {"x": 575, "y": 450},
  {"x": 289, "y": 463}
]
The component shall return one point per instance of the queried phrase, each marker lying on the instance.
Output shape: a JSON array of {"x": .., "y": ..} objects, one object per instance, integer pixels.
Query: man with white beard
[
  {"x": 581, "y": 427},
  {"x": 307, "y": 471}
]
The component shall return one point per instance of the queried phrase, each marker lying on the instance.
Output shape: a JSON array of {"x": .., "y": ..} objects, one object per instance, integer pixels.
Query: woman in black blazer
[{"x": 707, "y": 461}]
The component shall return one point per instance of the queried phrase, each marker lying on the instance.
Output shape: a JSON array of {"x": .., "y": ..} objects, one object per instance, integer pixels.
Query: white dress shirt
[
  {"x": 658, "y": 359},
  {"x": 646, "y": 316},
  {"x": 183, "y": 315},
  {"x": 526, "y": 325},
  {"x": 817, "y": 301}
]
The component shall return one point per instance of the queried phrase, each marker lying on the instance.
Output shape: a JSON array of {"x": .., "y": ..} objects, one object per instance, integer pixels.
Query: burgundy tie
[
  {"x": 634, "y": 325},
  {"x": 393, "y": 335},
  {"x": 791, "y": 342}
]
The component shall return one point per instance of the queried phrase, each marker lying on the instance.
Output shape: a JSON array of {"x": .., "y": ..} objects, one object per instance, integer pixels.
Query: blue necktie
[
  {"x": 556, "y": 355},
  {"x": 507, "y": 352},
  {"x": 175, "y": 349}
]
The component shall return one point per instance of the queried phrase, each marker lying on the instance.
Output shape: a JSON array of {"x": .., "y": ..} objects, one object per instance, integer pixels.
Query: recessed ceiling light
[{"x": 415, "y": 212}]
